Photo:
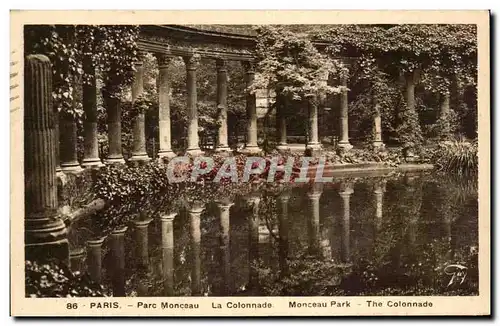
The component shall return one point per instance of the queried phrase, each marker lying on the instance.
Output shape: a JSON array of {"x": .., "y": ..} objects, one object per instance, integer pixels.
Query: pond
[{"x": 395, "y": 234}]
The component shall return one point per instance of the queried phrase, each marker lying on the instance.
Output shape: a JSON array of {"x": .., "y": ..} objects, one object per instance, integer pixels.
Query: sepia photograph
[{"x": 317, "y": 162}]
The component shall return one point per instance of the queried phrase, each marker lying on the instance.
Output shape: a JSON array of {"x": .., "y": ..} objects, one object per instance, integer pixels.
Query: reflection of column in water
[
  {"x": 346, "y": 190},
  {"x": 283, "y": 231},
  {"x": 415, "y": 203},
  {"x": 167, "y": 249},
  {"x": 195, "y": 233},
  {"x": 141, "y": 242},
  {"x": 117, "y": 238},
  {"x": 313, "y": 220},
  {"x": 76, "y": 259},
  {"x": 94, "y": 259},
  {"x": 253, "y": 245},
  {"x": 224, "y": 246},
  {"x": 378, "y": 193}
]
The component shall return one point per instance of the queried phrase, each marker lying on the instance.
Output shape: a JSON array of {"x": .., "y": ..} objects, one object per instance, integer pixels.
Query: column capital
[
  {"x": 96, "y": 242},
  {"x": 253, "y": 199},
  {"x": 346, "y": 189},
  {"x": 379, "y": 186},
  {"x": 224, "y": 205},
  {"x": 192, "y": 61},
  {"x": 141, "y": 224},
  {"x": 120, "y": 230},
  {"x": 249, "y": 67},
  {"x": 196, "y": 208},
  {"x": 168, "y": 217},
  {"x": 220, "y": 64},
  {"x": 163, "y": 59}
]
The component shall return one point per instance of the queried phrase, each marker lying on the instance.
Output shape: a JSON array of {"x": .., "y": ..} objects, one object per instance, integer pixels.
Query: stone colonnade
[{"x": 68, "y": 157}]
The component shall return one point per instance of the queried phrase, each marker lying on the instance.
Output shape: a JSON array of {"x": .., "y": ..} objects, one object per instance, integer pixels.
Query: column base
[
  {"x": 224, "y": 150},
  {"x": 282, "y": 148},
  {"x": 46, "y": 238},
  {"x": 93, "y": 162},
  {"x": 140, "y": 157},
  {"x": 253, "y": 149},
  {"x": 71, "y": 167},
  {"x": 313, "y": 149},
  {"x": 166, "y": 154},
  {"x": 114, "y": 160},
  {"x": 345, "y": 145},
  {"x": 194, "y": 152},
  {"x": 378, "y": 144}
]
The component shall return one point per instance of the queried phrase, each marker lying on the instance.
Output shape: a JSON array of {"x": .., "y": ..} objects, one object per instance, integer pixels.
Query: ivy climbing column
[
  {"x": 165, "y": 130},
  {"x": 377, "y": 124},
  {"x": 139, "y": 129},
  {"x": 344, "y": 112},
  {"x": 222, "y": 141},
  {"x": 281, "y": 105},
  {"x": 45, "y": 233},
  {"x": 192, "y": 63},
  {"x": 89, "y": 100},
  {"x": 68, "y": 140},
  {"x": 251, "y": 145},
  {"x": 112, "y": 102}
]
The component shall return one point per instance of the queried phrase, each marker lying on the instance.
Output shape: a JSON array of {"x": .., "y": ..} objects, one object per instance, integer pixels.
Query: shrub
[
  {"x": 458, "y": 157},
  {"x": 55, "y": 280}
]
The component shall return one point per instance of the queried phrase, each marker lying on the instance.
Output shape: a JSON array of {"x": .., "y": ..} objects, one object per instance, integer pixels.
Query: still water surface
[{"x": 397, "y": 235}]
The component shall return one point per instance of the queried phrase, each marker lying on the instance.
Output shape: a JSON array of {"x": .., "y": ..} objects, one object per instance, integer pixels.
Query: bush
[
  {"x": 55, "y": 280},
  {"x": 458, "y": 157}
]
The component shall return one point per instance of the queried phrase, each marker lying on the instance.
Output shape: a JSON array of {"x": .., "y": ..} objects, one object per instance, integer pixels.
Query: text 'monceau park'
[{"x": 387, "y": 112}]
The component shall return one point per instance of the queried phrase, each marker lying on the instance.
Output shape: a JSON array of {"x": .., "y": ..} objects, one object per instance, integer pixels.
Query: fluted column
[
  {"x": 377, "y": 125},
  {"x": 346, "y": 190},
  {"x": 167, "y": 245},
  {"x": 114, "y": 110},
  {"x": 45, "y": 233},
  {"x": 344, "y": 114},
  {"x": 94, "y": 259},
  {"x": 165, "y": 131},
  {"x": 283, "y": 244},
  {"x": 251, "y": 145},
  {"x": 117, "y": 239},
  {"x": 141, "y": 243},
  {"x": 313, "y": 219},
  {"x": 89, "y": 101},
  {"x": 281, "y": 106},
  {"x": 253, "y": 243},
  {"x": 59, "y": 172},
  {"x": 195, "y": 233},
  {"x": 224, "y": 208},
  {"x": 222, "y": 141},
  {"x": 192, "y": 63},
  {"x": 139, "y": 125}
]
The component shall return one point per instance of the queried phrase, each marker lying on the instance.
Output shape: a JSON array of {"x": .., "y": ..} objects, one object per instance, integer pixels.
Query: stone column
[
  {"x": 68, "y": 143},
  {"x": 410, "y": 78},
  {"x": 167, "y": 245},
  {"x": 377, "y": 125},
  {"x": 195, "y": 233},
  {"x": 346, "y": 190},
  {"x": 313, "y": 145},
  {"x": 117, "y": 238},
  {"x": 94, "y": 259},
  {"x": 251, "y": 145},
  {"x": 253, "y": 243},
  {"x": 45, "y": 233},
  {"x": 344, "y": 115},
  {"x": 192, "y": 136},
  {"x": 313, "y": 219},
  {"x": 89, "y": 101},
  {"x": 165, "y": 131},
  {"x": 76, "y": 260},
  {"x": 283, "y": 244},
  {"x": 281, "y": 107},
  {"x": 141, "y": 243},
  {"x": 222, "y": 141},
  {"x": 112, "y": 102},
  {"x": 444, "y": 116},
  {"x": 59, "y": 172},
  {"x": 139, "y": 125},
  {"x": 224, "y": 208}
]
